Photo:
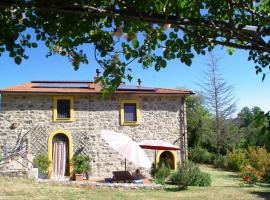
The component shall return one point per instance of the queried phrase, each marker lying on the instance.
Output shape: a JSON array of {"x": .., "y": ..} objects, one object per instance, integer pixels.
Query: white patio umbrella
[{"x": 127, "y": 148}]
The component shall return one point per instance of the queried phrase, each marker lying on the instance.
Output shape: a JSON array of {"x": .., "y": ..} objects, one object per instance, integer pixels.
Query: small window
[
  {"x": 63, "y": 109},
  {"x": 130, "y": 112}
]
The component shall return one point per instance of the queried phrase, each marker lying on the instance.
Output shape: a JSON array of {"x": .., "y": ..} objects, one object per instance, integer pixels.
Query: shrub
[
  {"x": 260, "y": 160},
  {"x": 200, "y": 155},
  {"x": 219, "y": 162},
  {"x": 81, "y": 164},
  {"x": 202, "y": 179},
  {"x": 161, "y": 174},
  {"x": 251, "y": 176},
  {"x": 153, "y": 170},
  {"x": 258, "y": 157},
  {"x": 190, "y": 175},
  {"x": 266, "y": 176},
  {"x": 236, "y": 159},
  {"x": 41, "y": 161}
]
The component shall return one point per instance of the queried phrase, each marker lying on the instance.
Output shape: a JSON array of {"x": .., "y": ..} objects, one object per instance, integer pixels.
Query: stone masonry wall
[{"x": 160, "y": 119}]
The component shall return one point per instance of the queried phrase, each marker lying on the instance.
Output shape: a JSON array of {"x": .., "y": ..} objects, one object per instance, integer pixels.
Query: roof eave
[{"x": 97, "y": 92}]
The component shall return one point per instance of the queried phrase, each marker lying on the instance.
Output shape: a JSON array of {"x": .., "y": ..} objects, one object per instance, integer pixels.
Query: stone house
[{"x": 36, "y": 116}]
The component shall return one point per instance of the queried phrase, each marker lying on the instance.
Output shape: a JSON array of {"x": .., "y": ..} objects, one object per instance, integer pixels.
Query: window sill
[
  {"x": 63, "y": 120},
  {"x": 130, "y": 123}
]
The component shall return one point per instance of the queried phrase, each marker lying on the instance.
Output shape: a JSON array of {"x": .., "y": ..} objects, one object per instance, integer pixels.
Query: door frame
[
  {"x": 50, "y": 149},
  {"x": 174, "y": 154}
]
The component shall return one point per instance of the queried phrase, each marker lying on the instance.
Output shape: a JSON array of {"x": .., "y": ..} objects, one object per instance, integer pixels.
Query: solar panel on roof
[
  {"x": 61, "y": 85},
  {"x": 134, "y": 87}
]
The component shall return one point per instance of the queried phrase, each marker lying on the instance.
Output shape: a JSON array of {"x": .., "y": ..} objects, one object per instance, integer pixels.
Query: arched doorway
[
  {"x": 169, "y": 158},
  {"x": 60, "y": 157},
  {"x": 60, "y": 154}
]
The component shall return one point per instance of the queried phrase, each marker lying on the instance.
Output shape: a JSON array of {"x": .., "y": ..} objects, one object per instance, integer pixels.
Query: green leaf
[
  {"x": 263, "y": 77},
  {"x": 18, "y": 60},
  {"x": 135, "y": 43},
  {"x": 230, "y": 51},
  {"x": 134, "y": 54},
  {"x": 128, "y": 56},
  {"x": 163, "y": 37},
  {"x": 172, "y": 35},
  {"x": 38, "y": 37},
  {"x": 34, "y": 45},
  {"x": 188, "y": 62},
  {"x": 163, "y": 63},
  {"x": 103, "y": 53}
]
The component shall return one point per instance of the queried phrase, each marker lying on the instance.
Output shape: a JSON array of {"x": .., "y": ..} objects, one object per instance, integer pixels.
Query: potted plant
[
  {"x": 81, "y": 164},
  {"x": 41, "y": 161}
]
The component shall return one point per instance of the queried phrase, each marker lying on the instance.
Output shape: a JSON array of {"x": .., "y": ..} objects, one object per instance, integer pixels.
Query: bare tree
[{"x": 217, "y": 97}]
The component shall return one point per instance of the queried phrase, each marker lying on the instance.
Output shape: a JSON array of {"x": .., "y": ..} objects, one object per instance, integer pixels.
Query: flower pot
[
  {"x": 88, "y": 174},
  {"x": 78, "y": 177},
  {"x": 42, "y": 175}
]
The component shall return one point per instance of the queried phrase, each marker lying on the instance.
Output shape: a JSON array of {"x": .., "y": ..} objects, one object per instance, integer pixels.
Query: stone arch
[
  {"x": 170, "y": 156},
  {"x": 50, "y": 149}
]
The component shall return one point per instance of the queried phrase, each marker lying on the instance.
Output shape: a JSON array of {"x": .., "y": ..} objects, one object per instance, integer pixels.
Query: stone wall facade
[{"x": 160, "y": 119}]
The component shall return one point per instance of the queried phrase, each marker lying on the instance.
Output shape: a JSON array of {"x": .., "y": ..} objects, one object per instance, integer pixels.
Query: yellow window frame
[
  {"x": 122, "y": 112},
  {"x": 55, "y": 99}
]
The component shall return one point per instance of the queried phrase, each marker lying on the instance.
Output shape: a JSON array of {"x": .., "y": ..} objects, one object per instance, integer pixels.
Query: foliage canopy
[{"x": 122, "y": 31}]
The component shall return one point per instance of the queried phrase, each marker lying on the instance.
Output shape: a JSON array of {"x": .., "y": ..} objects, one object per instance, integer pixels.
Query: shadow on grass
[
  {"x": 264, "y": 195},
  {"x": 234, "y": 176},
  {"x": 265, "y": 185},
  {"x": 173, "y": 189}
]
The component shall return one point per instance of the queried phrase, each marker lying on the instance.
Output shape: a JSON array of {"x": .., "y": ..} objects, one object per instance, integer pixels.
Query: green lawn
[{"x": 225, "y": 185}]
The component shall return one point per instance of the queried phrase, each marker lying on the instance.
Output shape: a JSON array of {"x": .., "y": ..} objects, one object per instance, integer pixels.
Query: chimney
[
  {"x": 97, "y": 72},
  {"x": 95, "y": 78},
  {"x": 139, "y": 82}
]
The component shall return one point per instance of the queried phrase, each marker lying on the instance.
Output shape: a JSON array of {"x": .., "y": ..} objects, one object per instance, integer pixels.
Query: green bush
[
  {"x": 266, "y": 176},
  {"x": 219, "y": 162},
  {"x": 202, "y": 179},
  {"x": 153, "y": 170},
  {"x": 190, "y": 175},
  {"x": 41, "y": 161},
  {"x": 259, "y": 159},
  {"x": 161, "y": 174},
  {"x": 236, "y": 159},
  {"x": 81, "y": 164},
  {"x": 251, "y": 176},
  {"x": 201, "y": 155}
]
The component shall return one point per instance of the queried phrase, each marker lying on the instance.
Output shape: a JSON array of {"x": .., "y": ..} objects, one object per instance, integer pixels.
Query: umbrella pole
[
  {"x": 125, "y": 170},
  {"x": 155, "y": 160}
]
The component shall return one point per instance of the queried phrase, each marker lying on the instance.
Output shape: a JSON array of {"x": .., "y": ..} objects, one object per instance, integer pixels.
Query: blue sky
[{"x": 249, "y": 90}]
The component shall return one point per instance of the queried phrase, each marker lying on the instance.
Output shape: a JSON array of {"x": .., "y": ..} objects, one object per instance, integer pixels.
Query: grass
[{"x": 225, "y": 185}]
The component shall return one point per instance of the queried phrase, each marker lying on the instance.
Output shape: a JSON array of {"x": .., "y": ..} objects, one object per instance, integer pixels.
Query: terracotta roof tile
[{"x": 85, "y": 87}]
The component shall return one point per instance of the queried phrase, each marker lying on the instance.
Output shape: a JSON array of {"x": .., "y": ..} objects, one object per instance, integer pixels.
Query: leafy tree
[
  {"x": 256, "y": 126},
  {"x": 246, "y": 116},
  {"x": 233, "y": 136},
  {"x": 218, "y": 99},
  {"x": 152, "y": 32},
  {"x": 198, "y": 121},
  {"x": 201, "y": 127}
]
